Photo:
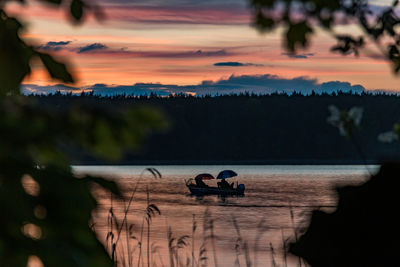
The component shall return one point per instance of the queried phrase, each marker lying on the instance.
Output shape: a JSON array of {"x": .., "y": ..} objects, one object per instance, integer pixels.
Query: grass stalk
[
  {"x": 148, "y": 228},
  {"x": 140, "y": 243},
  {"x": 284, "y": 248},
  {"x": 294, "y": 228},
  {"x": 273, "y": 262},
  {"x": 171, "y": 240},
  {"x": 211, "y": 221},
  {"x": 193, "y": 233}
]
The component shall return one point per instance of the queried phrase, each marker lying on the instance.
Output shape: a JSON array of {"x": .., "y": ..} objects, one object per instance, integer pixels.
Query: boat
[
  {"x": 199, "y": 188},
  {"x": 211, "y": 190}
]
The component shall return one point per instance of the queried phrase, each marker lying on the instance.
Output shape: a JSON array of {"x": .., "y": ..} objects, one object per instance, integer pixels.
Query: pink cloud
[
  {"x": 150, "y": 14},
  {"x": 181, "y": 15}
]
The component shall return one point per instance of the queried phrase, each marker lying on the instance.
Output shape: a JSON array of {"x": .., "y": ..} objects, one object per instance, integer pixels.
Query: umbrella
[
  {"x": 226, "y": 174},
  {"x": 204, "y": 176}
]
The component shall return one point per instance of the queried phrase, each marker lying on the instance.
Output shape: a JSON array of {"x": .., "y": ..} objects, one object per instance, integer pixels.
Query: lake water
[{"x": 277, "y": 204}]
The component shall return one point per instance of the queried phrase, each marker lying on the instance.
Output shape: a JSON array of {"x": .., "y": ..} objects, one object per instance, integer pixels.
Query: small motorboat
[
  {"x": 200, "y": 188},
  {"x": 201, "y": 191}
]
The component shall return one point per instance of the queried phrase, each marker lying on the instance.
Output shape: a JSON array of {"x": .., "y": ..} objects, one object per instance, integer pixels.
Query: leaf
[
  {"x": 157, "y": 172},
  {"x": 77, "y": 9},
  {"x": 106, "y": 184},
  {"x": 106, "y": 144},
  {"x": 56, "y": 69},
  {"x": 263, "y": 23},
  {"x": 297, "y": 35},
  {"x": 154, "y": 172},
  {"x": 15, "y": 55},
  {"x": 153, "y": 208}
]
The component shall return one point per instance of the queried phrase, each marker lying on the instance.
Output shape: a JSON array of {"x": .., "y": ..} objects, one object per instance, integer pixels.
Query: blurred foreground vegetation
[{"x": 45, "y": 208}]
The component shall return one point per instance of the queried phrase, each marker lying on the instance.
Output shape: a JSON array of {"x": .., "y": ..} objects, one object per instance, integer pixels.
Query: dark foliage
[
  {"x": 364, "y": 229},
  {"x": 301, "y": 18},
  {"x": 46, "y": 209}
]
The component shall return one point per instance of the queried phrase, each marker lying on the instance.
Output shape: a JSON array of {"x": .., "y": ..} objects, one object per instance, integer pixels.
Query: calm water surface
[{"x": 277, "y": 202}]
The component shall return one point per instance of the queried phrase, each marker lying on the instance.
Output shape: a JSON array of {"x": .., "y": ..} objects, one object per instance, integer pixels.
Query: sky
[{"x": 188, "y": 46}]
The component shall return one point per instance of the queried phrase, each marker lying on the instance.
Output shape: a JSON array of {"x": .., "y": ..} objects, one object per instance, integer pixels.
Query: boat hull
[{"x": 201, "y": 191}]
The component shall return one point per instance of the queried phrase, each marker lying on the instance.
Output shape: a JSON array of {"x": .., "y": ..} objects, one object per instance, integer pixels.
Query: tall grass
[
  {"x": 127, "y": 250},
  {"x": 122, "y": 255},
  {"x": 182, "y": 249}
]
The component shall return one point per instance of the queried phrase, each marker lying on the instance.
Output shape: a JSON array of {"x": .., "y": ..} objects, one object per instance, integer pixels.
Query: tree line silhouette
[{"x": 250, "y": 129}]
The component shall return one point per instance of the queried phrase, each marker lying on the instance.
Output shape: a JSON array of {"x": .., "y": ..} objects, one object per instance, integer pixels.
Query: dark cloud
[
  {"x": 65, "y": 45},
  {"x": 291, "y": 55},
  {"x": 236, "y": 64},
  {"x": 59, "y": 43},
  {"x": 100, "y": 48},
  {"x": 54, "y": 46},
  {"x": 265, "y": 84},
  {"x": 92, "y": 47},
  {"x": 342, "y": 86},
  {"x": 48, "y": 89},
  {"x": 102, "y": 89},
  {"x": 178, "y": 54},
  {"x": 258, "y": 84},
  {"x": 136, "y": 89}
]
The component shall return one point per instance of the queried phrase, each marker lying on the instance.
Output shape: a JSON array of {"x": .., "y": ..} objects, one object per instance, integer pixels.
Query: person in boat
[
  {"x": 200, "y": 182},
  {"x": 224, "y": 184}
]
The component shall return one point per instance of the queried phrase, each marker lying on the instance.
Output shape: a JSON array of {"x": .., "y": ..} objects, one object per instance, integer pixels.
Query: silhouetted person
[
  {"x": 364, "y": 231},
  {"x": 224, "y": 184},
  {"x": 200, "y": 182}
]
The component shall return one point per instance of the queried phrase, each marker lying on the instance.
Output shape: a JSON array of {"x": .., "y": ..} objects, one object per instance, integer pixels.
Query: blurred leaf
[
  {"x": 76, "y": 9},
  {"x": 263, "y": 23},
  {"x": 34, "y": 151},
  {"x": 347, "y": 44},
  {"x": 106, "y": 184},
  {"x": 106, "y": 144},
  {"x": 56, "y": 69},
  {"x": 14, "y": 55},
  {"x": 297, "y": 35}
]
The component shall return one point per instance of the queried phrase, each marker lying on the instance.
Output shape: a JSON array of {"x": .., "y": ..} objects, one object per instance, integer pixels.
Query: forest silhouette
[{"x": 250, "y": 129}]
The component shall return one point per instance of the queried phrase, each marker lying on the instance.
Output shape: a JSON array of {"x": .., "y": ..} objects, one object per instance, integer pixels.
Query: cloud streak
[
  {"x": 258, "y": 84},
  {"x": 176, "y": 12},
  {"x": 92, "y": 47},
  {"x": 54, "y": 46},
  {"x": 193, "y": 14},
  {"x": 301, "y": 56},
  {"x": 105, "y": 50}
]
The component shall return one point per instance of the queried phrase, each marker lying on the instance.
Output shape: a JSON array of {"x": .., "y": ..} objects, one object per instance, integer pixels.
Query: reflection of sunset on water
[{"x": 262, "y": 215}]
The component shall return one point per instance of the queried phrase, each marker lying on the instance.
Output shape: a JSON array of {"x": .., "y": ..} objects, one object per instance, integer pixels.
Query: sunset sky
[{"x": 183, "y": 44}]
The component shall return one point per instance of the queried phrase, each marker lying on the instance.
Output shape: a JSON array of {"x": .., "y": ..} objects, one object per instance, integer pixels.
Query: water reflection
[{"x": 255, "y": 228}]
